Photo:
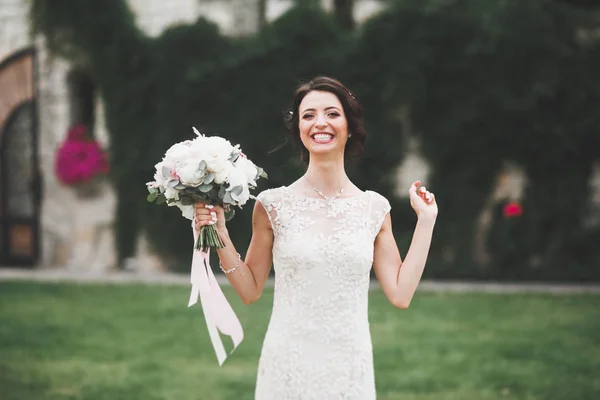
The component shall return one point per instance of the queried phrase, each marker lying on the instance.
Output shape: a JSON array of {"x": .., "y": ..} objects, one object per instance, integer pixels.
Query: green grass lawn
[{"x": 134, "y": 342}]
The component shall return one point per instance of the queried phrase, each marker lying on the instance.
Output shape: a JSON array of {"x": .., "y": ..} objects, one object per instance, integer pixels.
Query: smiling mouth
[{"x": 322, "y": 137}]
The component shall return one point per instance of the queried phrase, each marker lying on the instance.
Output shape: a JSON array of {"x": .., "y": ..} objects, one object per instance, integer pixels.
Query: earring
[{"x": 350, "y": 135}]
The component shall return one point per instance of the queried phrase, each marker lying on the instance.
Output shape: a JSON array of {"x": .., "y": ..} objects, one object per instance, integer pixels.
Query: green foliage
[
  {"x": 482, "y": 82},
  {"x": 490, "y": 82},
  {"x": 193, "y": 75}
]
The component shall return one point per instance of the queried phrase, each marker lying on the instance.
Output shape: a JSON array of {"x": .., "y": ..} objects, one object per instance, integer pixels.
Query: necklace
[{"x": 329, "y": 200}]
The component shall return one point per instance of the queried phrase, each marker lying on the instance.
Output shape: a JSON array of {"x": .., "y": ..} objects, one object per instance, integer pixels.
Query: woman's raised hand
[
  {"x": 206, "y": 214},
  {"x": 422, "y": 201}
]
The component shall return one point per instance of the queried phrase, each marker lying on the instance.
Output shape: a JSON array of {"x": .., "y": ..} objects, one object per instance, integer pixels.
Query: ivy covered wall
[{"x": 483, "y": 82}]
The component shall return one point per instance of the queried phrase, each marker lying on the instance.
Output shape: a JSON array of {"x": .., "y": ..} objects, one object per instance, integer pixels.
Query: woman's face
[{"x": 322, "y": 123}]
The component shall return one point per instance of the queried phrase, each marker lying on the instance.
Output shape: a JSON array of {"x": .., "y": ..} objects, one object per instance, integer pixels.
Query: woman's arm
[
  {"x": 399, "y": 279},
  {"x": 249, "y": 279}
]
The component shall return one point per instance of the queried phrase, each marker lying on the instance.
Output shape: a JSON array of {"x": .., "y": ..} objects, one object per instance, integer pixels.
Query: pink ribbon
[{"x": 217, "y": 311}]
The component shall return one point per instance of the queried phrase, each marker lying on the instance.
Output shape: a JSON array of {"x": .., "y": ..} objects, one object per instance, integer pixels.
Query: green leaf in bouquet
[
  {"x": 187, "y": 201},
  {"x": 202, "y": 165},
  {"x": 180, "y": 186},
  {"x": 152, "y": 189},
  {"x": 152, "y": 196},
  {"x": 227, "y": 198},
  {"x": 262, "y": 173},
  {"x": 205, "y": 188},
  {"x": 209, "y": 178},
  {"x": 161, "y": 199},
  {"x": 235, "y": 197},
  {"x": 237, "y": 190},
  {"x": 172, "y": 183},
  {"x": 200, "y": 174},
  {"x": 222, "y": 192},
  {"x": 166, "y": 172},
  {"x": 229, "y": 214}
]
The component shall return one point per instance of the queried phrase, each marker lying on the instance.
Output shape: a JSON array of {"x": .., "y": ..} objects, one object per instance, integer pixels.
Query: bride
[{"x": 323, "y": 234}]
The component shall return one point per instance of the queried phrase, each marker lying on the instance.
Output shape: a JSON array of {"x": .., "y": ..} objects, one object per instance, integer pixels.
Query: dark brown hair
[{"x": 352, "y": 110}]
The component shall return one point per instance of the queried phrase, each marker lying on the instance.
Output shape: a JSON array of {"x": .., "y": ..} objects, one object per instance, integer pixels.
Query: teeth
[{"x": 322, "y": 136}]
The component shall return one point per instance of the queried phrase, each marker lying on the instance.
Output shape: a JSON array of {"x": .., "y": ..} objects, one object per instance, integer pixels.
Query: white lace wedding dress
[{"x": 318, "y": 343}]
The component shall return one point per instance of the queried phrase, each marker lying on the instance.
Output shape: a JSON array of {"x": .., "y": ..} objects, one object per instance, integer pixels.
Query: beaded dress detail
[{"x": 318, "y": 343}]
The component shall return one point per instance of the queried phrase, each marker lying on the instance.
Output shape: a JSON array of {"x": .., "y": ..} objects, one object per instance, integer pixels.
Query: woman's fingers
[
  {"x": 414, "y": 186},
  {"x": 205, "y": 214},
  {"x": 200, "y": 222},
  {"x": 203, "y": 209},
  {"x": 423, "y": 193}
]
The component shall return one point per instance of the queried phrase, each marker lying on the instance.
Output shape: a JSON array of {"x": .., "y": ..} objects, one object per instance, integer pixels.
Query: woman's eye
[
  {"x": 307, "y": 116},
  {"x": 334, "y": 114}
]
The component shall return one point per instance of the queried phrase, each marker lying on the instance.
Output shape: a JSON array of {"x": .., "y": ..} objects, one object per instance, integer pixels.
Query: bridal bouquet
[
  {"x": 207, "y": 169},
  {"x": 213, "y": 171}
]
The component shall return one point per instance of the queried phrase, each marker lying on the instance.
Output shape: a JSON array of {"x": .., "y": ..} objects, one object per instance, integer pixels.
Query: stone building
[{"x": 42, "y": 222}]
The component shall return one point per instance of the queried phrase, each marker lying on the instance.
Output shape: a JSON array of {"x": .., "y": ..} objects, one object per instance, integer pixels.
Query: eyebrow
[{"x": 326, "y": 108}]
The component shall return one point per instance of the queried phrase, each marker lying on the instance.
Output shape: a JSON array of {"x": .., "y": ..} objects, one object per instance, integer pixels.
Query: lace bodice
[{"x": 318, "y": 343}]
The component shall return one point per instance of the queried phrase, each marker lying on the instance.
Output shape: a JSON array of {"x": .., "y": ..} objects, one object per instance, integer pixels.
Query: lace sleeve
[
  {"x": 272, "y": 204},
  {"x": 380, "y": 207}
]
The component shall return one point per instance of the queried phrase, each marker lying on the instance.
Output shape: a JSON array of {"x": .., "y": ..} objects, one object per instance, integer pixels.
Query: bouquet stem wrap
[
  {"x": 208, "y": 238},
  {"x": 217, "y": 311}
]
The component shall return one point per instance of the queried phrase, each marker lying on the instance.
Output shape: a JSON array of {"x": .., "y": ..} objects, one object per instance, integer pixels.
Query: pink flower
[
  {"x": 512, "y": 209},
  {"x": 79, "y": 159}
]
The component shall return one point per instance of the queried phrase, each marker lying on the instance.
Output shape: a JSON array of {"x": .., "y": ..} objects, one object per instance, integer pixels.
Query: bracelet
[{"x": 228, "y": 271}]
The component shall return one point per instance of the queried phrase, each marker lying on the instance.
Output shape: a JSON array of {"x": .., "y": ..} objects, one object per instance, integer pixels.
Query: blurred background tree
[{"x": 476, "y": 83}]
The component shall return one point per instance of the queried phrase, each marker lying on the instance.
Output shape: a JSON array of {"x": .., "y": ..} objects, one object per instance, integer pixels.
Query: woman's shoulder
[
  {"x": 379, "y": 201},
  {"x": 269, "y": 196}
]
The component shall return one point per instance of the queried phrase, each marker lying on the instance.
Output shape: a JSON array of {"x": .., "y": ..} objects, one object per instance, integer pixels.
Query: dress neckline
[{"x": 320, "y": 199}]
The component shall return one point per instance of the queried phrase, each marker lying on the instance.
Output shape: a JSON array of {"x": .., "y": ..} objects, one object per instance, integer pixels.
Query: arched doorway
[{"x": 20, "y": 182}]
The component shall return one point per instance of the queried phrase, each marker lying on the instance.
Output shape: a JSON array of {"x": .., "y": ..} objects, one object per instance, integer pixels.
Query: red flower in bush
[
  {"x": 79, "y": 158},
  {"x": 513, "y": 209}
]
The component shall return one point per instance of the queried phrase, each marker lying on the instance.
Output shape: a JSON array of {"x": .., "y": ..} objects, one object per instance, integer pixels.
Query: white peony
[
  {"x": 172, "y": 194},
  {"x": 179, "y": 151},
  {"x": 244, "y": 196},
  {"x": 158, "y": 176},
  {"x": 236, "y": 177},
  {"x": 248, "y": 168},
  {"x": 217, "y": 146},
  {"x": 197, "y": 150},
  {"x": 188, "y": 174},
  {"x": 221, "y": 177}
]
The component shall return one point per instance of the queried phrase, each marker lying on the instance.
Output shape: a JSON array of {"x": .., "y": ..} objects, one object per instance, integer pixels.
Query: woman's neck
[{"x": 328, "y": 176}]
